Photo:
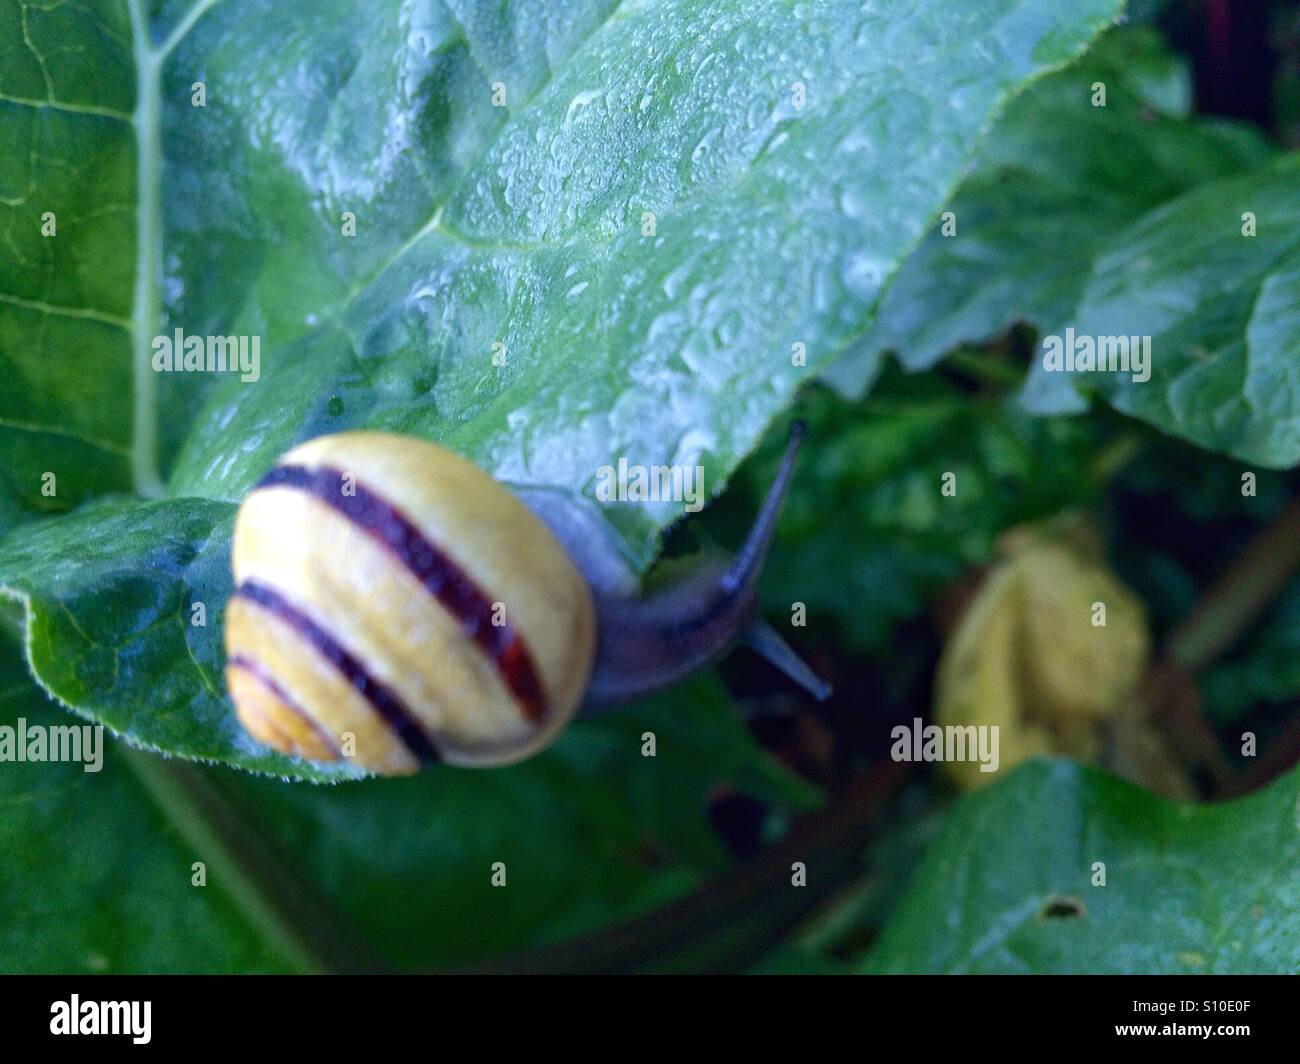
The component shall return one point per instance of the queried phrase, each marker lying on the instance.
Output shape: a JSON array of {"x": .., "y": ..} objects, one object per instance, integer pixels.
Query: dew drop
[{"x": 578, "y": 103}]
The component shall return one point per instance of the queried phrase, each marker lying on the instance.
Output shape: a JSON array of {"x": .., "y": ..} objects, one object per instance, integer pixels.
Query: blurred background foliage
[{"x": 619, "y": 862}]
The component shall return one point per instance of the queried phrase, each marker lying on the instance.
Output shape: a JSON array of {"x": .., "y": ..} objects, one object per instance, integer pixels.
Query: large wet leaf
[
  {"x": 669, "y": 199},
  {"x": 1125, "y": 220},
  {"x": 1058, "y": 177},
  {"x": 1008, "y": 884}
]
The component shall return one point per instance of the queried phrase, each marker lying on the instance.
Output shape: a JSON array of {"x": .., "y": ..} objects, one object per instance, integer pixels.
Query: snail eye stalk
[
  {"x": 743, "y": 573},
  {"x": 767, "y": 642},
  {"x": 647, "y": 644}
]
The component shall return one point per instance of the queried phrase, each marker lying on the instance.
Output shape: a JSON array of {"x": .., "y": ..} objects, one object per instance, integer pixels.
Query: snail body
[{"x": 396, "y": 605}]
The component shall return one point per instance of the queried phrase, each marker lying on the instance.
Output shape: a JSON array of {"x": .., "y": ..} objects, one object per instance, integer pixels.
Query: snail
[{"x": 396, "y": 605}]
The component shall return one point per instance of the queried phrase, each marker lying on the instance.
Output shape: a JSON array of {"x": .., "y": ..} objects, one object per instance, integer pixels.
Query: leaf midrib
[
  {"x": 312, "y": 939},
  {"x": 299, "y": 923},
  {"x": 146, "y": 299}
]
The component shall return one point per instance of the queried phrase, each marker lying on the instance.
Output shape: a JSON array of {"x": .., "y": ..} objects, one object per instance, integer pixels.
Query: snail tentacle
[
  {"x": 767, "y": 642},
  {"x": 646, "y": 644},
  {"x": 745, "y": 569}
]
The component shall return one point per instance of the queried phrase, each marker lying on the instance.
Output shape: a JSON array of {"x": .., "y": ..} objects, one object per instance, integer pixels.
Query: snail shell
[
  {"x": 395, "y": 605},
  {"x": 393, "y": 598}
]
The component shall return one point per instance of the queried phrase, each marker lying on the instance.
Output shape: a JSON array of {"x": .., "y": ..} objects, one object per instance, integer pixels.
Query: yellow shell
[{"x": 394, "y": 604}]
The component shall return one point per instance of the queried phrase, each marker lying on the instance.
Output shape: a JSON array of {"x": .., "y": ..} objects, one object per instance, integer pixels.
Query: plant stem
[
  {"x": 1117, "y": 453},
  {"x": 289, "y": 911},
  {"x": 732, "y": 921},
  {"x": 1238, "y": 595},
  {"x": 1232, "y": 603}
]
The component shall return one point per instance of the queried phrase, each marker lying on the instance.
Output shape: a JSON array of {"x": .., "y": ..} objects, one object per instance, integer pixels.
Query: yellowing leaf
[{"x": 1052, "y": 646}]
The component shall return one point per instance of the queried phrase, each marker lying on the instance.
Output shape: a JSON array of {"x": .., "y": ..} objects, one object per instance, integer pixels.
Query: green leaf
[
  {"x": 878, "y": 466},
  {"x": 378, "y": 873},
  {"x": 795, "y": 961},
  {"x": 789, "y": 155},
  {"x": 1220, "y": 308},
  {"x": 1007, "y": 885},
  {"x": 73, "y": 901},
  {"x": 109, "y": 593},
  {"x": 590, "y": 831},
  {"x": 1056, "y": 180}
]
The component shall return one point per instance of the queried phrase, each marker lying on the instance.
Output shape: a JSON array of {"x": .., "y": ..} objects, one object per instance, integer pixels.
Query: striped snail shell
[{"x": 395, "y": 605}]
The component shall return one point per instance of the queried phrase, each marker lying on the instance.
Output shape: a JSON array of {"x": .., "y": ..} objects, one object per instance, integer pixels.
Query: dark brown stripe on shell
[
  {"x": 387, "y": 703},
  {"x": 262, "y": 675},
  {"x": 437, "y": 573}
]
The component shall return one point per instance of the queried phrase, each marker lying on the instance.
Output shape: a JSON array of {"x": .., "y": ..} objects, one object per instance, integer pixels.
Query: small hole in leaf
[{"x": 1061, "y": 907}]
